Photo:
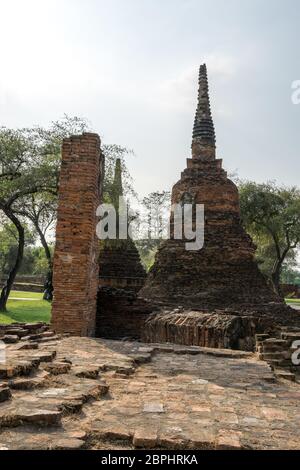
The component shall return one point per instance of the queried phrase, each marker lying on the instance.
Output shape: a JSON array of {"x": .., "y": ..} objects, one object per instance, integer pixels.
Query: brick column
[{"x": 76, "y": 269}]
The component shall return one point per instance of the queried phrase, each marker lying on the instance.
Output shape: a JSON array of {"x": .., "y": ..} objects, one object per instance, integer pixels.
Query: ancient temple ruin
[
  {"x": 120, "y": 265},
  {"x": 224, "y": 272},
  {"x": 76, "y": 268},
  {"x": 214, "y": 297},
  {"x": 121, "y": 276}
]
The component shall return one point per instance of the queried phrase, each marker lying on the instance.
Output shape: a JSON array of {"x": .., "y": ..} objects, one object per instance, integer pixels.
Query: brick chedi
[
  {"x": 223, "y": 297},
  {"x": 224, "y": 271},
  {"x": 121, "y": 276},
  {"x": 76, "y": 268},
  {"x": 119, "y": 260},
  {"x": 121, "y": 267}
]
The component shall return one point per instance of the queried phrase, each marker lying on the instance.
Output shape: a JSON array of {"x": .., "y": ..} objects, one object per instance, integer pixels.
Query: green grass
[
  {"x": 29, "y": 311},
  {"x": 293, "y": 301},
  {"x": 16, "y": 294},
  {"x": 5, "y": 320}
]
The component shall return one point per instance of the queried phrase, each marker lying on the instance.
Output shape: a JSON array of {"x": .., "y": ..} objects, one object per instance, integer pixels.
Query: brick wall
[
  {"x": 121, "y": 314},
  {"x": 76, "y": 268}
]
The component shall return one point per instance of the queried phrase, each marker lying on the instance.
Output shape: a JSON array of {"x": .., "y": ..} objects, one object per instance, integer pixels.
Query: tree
[
  {"x": 291, "y": 274},
  {"x": 156, "y": 212},
  {"x": 271, "y": 214},
  {"x": 24, "y": 170},
  {"x": 112, "y": 154},
  {"x": 9, "y": 247},
  {"x": 40, "y": 209},
  {"x": 157, "y": 206},
  {"x": 29, "y": 165}
]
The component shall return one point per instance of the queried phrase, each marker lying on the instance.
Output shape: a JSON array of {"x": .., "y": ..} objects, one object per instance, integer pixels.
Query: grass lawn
[
  {"x": 293, "y": 301},
  {"x": 17, "y": 294},
  {"x": 29, "y": 311}
]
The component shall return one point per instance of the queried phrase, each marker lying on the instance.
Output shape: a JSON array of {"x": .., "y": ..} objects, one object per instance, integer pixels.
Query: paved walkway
[{"x": 86, "y": 393}]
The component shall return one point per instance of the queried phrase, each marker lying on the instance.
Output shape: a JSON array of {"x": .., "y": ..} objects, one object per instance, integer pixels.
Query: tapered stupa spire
[
  {"x": 117, "y": 186},
  {"x": 204, "y": 139}
]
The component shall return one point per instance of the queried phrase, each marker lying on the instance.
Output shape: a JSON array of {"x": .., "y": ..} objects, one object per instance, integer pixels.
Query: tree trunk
[
  {"x": 276, "y": 275},
  {"x": 12, "y": 275},
  {"x": 275, "y": 278},
  {"x": 277, "y": 267},
  {"x": 48, "y": 288}
]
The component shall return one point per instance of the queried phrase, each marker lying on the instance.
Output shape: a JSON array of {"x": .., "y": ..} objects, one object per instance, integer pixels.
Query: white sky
[{"x": 130, "y": 67}]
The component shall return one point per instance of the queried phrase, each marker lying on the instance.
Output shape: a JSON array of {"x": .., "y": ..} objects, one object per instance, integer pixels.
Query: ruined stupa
[
  {"x": 121, "y": 276},
  {"x": 119, "y": 260},
  {"x": 220, "y": 292}
]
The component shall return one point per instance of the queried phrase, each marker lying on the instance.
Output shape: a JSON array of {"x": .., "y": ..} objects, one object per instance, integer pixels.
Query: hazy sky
[{"x": 130, "y": 67}]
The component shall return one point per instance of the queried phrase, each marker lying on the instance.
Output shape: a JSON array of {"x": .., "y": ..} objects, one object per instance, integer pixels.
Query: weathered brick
[{"x": 75, "y": 276}]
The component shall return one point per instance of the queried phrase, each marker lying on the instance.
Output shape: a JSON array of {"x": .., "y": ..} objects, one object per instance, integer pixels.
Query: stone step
[
  {"x": 275, "y": 342},
  {"x": 17, "y": 368},
  {"x": 19, "y": 416},
  {"x": 71, "y": 406},
  {"x": 26, "y": 345},
  {"x": 35, "y": 326},
  {"x": 86, "y": 372},
  {"x": 284, "y": 374},
  {"x": 46, "y": 406},
  {"x": 120, "y": 369},
  {"x": 290, "y": 336},
  {"x": 56, "y": 368},
  {"x": 29, "y": 383},
  {"x": 281, "y": 364},
  {"x": 100, "y": 390},
  {"x": 141, "y": 358},
  {"x": 38, "y": 336},
  {"x": 10, "y": 339},
  {"x": 42, "y": 439},
  {"x": 44, "y": 356},
  {"x": 74, "y": 395},
  {"x": 5, "y": 393},
  {"x": 20, "y": 332},
  {"x": 271, "y": 348},
  {"x": 48, "y": 340},
  {"x": 282, "y": 355},
  {"x": 262, "y": 337}
]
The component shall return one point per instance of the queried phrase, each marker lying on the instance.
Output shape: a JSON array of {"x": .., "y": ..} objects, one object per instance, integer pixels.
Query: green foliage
[
  {"x": 291, "y": 274},
  {"x": 24, "y": 165},
  {"x": 29, "y": 173},
  {"x": 30, "y": 158},
  {"x": 41, "y": 265},
  {"x": 156, "y": 219},
  {"x": 112, "y": 153},
  {"x": 157, "y": 208},
  {"x": 273, "y": 211},
  {"x": 9, "y": 248},
  {"x": 147, "y": 250},
  {"x": 271, "y": 214}
]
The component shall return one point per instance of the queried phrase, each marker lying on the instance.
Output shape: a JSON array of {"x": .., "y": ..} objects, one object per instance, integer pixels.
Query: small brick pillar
[{"x": 76, "y": 267}]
